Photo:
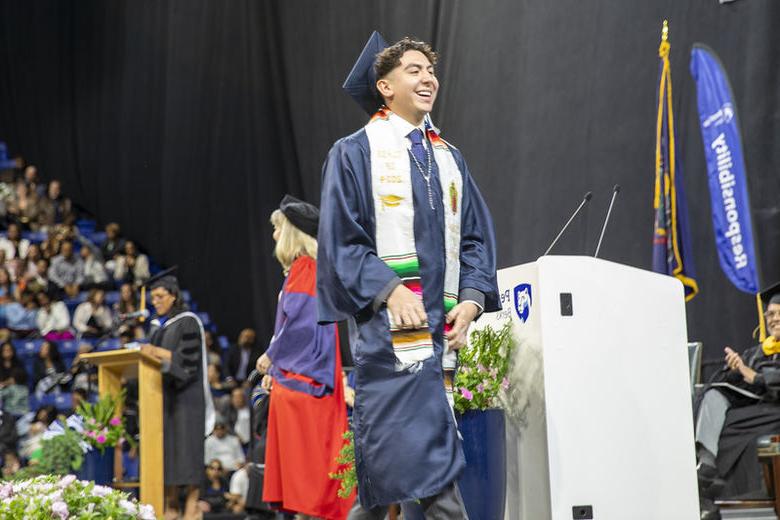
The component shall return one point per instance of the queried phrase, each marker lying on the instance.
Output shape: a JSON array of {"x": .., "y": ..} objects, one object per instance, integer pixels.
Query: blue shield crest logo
[{"x": 523, "y": 301}]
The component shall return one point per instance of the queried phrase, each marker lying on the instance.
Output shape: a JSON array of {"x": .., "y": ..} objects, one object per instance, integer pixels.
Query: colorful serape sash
[{"x": 394, "y": 211}]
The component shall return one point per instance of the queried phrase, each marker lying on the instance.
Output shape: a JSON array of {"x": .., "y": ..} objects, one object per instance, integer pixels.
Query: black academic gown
[
  {"x": 746, "y": 421},
  {"x": 187, "y": 408}
]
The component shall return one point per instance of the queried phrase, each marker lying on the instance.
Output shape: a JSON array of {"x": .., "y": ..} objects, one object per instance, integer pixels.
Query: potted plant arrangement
[
  {"x": 480, "y": 380},
  {"x": 61, "y": 498},
  {"x": 102, "y": 430}
]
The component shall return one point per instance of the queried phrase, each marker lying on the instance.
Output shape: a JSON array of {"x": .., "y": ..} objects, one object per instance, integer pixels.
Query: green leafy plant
[
  {"x": 483, "y": 367},
  {"x": 60, "y": 455},
  {"x": 346, "y": 472},
  {"x": 102, "y": 427},
  {"x": 61, "y": 498}
]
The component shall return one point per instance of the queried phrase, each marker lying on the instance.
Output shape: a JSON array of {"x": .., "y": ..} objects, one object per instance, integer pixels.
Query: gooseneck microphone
[
  {"x": 615, "y": 191},
  {"x": 585, "y": 200}
]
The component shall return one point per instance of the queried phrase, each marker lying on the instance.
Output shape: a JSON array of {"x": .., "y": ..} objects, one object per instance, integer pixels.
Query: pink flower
[
  {"x": 481, "y": 368},
  {"x": 468, "y": 396},
  {"x": 505, "y": 383},
  {"x": 60, "y": 509},
  {"x": 480, "y": 388},
  {"x": 91, "y": 434},
  {"x": 101, "y": 439},
  {"x": 91, "y": 420},
  {"x": 116, "y": 421},
  {"x": 493, "y": 372}
]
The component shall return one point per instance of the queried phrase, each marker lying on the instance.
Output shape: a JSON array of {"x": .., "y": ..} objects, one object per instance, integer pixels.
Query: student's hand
[
  {"x": 267, "y": 382},
  {"x": 406, "y": 308},
  {"x": 460, "y": 317}
]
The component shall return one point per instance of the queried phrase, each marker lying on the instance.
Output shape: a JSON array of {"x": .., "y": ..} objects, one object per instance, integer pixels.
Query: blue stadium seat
[
  {"x": 62, "y": 401},
  {"x": 27, "y": 347},
  {"x": 36, "y": 237},
  {"x": 86, "y": 226},
  {"x": 112, "y": 297},
  {"x": 98, "y": 238},
  {"x": 223, "y": 342}
]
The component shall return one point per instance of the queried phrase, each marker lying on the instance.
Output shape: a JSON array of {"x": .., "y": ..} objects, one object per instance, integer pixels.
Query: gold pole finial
[{"x": 665, "y": 31}]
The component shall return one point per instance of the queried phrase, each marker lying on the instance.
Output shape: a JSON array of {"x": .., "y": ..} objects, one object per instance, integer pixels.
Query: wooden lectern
[{"x": 132, "y": 364}]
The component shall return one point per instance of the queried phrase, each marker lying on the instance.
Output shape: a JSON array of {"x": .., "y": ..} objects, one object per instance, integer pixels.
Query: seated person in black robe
[
  {"x": 176, "y": 339},
  {"x": 741, "y": 404}
]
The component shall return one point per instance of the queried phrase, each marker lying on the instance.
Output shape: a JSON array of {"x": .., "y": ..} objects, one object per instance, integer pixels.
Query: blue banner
[
  {"x": 671, "y": 240},
  {"x": 731, "y": 218}
]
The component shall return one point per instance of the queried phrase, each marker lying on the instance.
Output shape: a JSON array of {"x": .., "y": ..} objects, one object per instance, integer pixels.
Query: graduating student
[
  {"x": 176, "y": 339},
  {"x": 307, "y": 417},
  {"x": 407, "y": 249}
]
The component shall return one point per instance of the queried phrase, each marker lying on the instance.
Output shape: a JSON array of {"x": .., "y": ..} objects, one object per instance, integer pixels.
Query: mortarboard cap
[
  {"x": 165, "y": 279},
  {"x": 361, "y": 81},
  {"x": 771, "y": 294},
  {"x": 302, "y": 215}
]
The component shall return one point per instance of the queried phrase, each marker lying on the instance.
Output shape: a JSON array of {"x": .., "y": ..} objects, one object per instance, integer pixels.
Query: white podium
[{"x": 599, "y": 421}]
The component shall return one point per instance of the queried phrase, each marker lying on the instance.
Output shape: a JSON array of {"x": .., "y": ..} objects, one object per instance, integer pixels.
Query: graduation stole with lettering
[{"x": 391, "y": 185}]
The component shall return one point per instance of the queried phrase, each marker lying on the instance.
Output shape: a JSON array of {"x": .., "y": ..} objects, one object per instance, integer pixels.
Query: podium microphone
[
  {"x": 615, "y": 191},
  {"x": 585, "y": 200}
]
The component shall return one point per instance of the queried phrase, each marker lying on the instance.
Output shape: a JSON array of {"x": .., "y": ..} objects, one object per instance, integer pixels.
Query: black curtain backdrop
[{"x": 187, "y": 121}]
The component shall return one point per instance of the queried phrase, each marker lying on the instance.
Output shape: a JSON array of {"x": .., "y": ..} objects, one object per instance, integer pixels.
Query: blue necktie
[{"x": 418, "y": 150}]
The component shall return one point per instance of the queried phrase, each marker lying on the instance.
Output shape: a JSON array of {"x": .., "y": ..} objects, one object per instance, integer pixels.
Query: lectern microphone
[
  {"x": 615, "y": 191},
  {"x": 585, "y": 200}
]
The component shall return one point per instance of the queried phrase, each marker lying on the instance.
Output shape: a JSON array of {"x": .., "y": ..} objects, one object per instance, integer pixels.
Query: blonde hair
[{"x": 292, "y": 241}]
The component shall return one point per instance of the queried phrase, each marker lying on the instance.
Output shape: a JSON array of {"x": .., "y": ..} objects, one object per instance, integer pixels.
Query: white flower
[
  {"x": 60, "y": 509},
  {"x": 101, "y": 491},
  {"x": 128, "y": 506},
  {"x": 66, "y": 481},
  {"x": 6, "y": 491},
  {"x": 146, "y": 512}
]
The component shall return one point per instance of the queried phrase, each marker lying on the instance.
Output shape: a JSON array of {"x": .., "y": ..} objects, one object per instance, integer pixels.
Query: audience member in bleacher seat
[
  {"x": 213, "y": 492},
  {"x": 13, "y": 244},
  {"x": 33, "y": 255},
  {"x": 67, "y": 270},
  {"x": 131, "y": 266},
  {"x": 77, "y": 396},
  {"x": 54, "y": 206},
  {"x": 8, "y": 435},
  {"x": 213, "y": 349},
  {"x": 238, "y": 491},
  {"x": 24, "y": 206},
  {"x": 30, "y": 177},
  {"x": 30, "y": 445},
  {"x": 128, "y": 300},
  {"x": 237, "y": 415},
  {"x": 92, "y": 318},
  {"x": 242, "y": 357},
  {"x": 114, "y": 243},
  {"x": 48, "y": 369},
  {"x": 307, "y": 415},
  {"x": 53, "y": 318},
  {"x": 14, "y": 393},
  {"x": 22, "y": 316},
  {"x": 50, "y": 247},
  {"x": 219, "y": 389},
  {"x": 39, "y": 281},
  {"x": 226, "y": 447},
  {"x": 176, "y": 339},
  {"x": 11, "y": 463},
  {"x": 95, "y": 276},
  {"x": 7, "y": 287}
]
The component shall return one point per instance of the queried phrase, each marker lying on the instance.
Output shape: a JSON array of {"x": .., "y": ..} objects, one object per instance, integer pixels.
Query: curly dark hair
[{"x": 390, "y": 58}]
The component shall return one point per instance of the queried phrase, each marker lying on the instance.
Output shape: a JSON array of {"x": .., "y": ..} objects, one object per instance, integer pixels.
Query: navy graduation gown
[{"x": 406, "y": 441}]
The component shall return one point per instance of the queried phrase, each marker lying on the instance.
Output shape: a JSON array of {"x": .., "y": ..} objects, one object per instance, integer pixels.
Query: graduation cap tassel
[
  {"x": 143, "y": 304},
  {"x": 761, "y": 322}
]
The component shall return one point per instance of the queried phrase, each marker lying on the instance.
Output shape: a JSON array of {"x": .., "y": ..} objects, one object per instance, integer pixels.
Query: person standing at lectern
[
  {"x": 176, "y": 339},
  {"x": 730, "y": 418},
  {"x": 407, "y": 249}
]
